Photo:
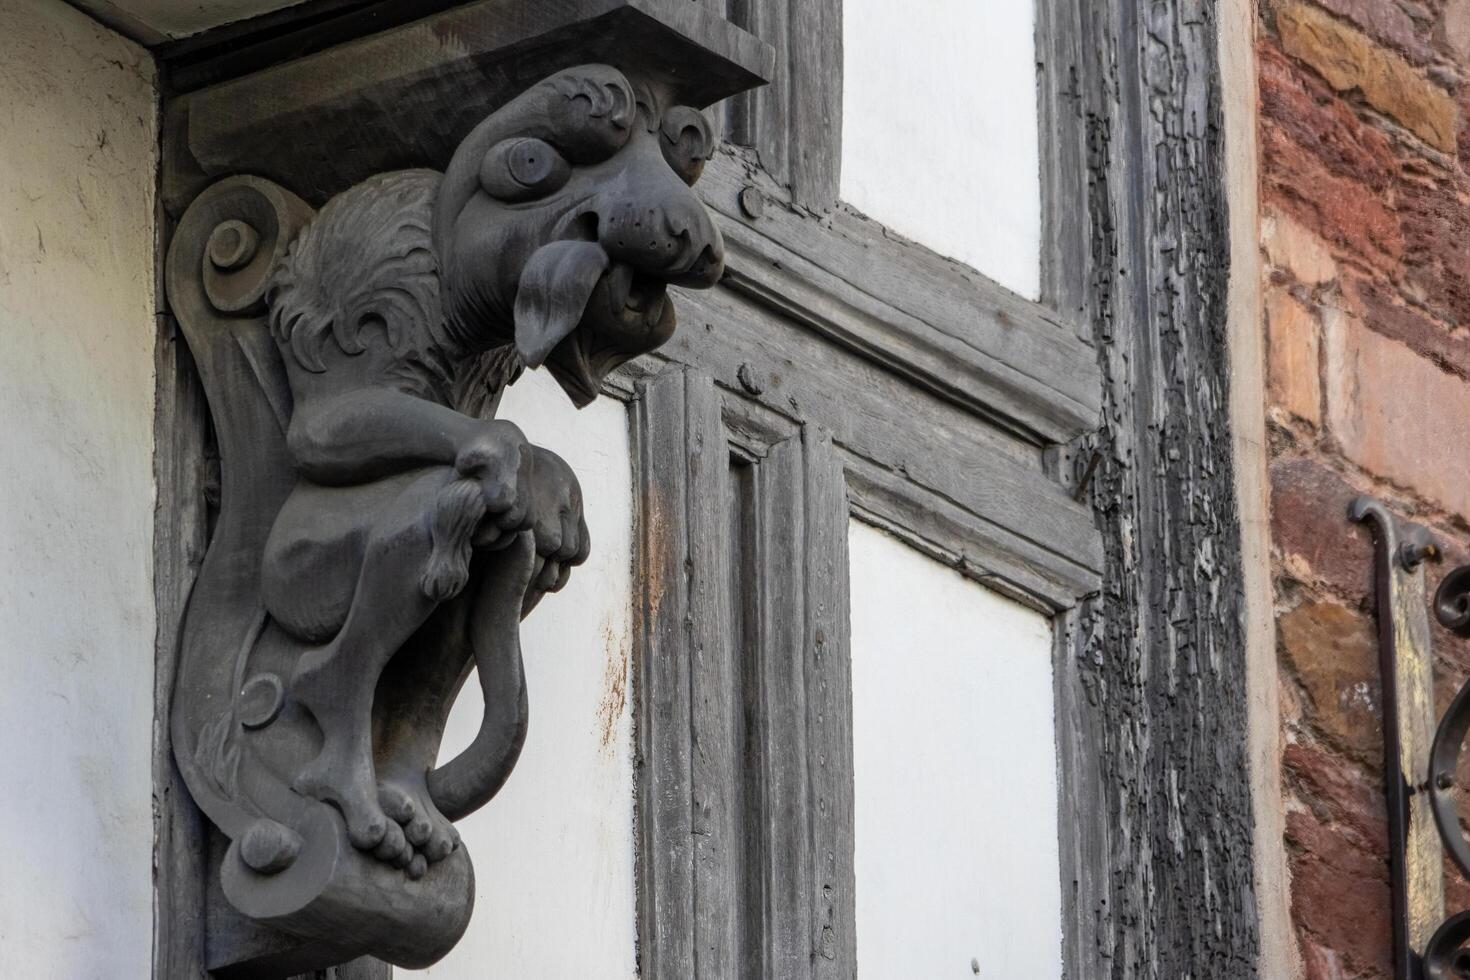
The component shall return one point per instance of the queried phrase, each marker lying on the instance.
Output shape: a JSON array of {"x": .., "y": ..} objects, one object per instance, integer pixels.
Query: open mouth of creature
[{"x": 628, "y": 313}]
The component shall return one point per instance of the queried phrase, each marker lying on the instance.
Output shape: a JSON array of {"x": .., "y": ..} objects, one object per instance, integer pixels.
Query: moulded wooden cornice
[{"x": 406, "y": 97}]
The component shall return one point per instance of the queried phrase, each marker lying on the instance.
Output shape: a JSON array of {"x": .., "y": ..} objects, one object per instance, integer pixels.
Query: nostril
[
  {"x": 677, "y": 224},
  {"x": 587, "y": 227}
]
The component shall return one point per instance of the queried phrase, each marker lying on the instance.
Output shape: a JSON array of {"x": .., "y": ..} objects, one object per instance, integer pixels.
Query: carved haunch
[{"x": 380, "y": 534}]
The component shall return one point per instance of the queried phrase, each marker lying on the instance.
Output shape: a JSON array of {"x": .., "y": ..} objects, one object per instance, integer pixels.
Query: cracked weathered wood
[
  {"x": 1153, "y": 710},
  {"x": 180, "y": 535}
]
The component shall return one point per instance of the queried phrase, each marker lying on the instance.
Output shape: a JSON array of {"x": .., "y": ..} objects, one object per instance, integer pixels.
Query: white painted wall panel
[
  {"x": 940, "y": 130},
  {"x": 554, "y": 852},
  {"x": 77, "y": 172},
  {"x": 955, "y": 773}
]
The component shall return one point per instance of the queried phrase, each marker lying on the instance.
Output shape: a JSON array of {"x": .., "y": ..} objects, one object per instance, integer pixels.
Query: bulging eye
[
  {"x": 689, "y": 141},
  {"x": 523, "y": 169}
]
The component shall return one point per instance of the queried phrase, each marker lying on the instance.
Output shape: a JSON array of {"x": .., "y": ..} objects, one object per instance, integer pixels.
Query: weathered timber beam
[{"x": 406, "y": 97}]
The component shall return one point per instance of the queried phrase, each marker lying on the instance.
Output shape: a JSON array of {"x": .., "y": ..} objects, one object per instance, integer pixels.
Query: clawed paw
[
  {"x": 427, "y": 837},
  {"x": 399, "y": 825},
  {"x": 557, "y": 520},
  {"x": 367, "y": 826},
  {"x": 500, "y": 461}
]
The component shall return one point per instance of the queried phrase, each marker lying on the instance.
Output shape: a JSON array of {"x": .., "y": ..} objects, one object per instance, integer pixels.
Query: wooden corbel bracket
[{"x": 380, "y": 532}]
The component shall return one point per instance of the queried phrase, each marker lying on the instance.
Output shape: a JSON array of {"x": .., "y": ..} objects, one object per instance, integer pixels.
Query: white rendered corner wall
[
  {"x": 940, "y": 130},
  {"x": 955, "y": 774},
  {"x": 554, "y": 851},
  {"x": 77, "y": 175}
]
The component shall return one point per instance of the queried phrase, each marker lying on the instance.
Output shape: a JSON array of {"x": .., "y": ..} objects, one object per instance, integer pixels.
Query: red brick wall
[{"x": 1365, "y": 168}]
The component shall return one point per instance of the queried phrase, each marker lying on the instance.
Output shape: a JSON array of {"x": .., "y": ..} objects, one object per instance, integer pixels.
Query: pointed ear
[{"x": 555, "y": 286}]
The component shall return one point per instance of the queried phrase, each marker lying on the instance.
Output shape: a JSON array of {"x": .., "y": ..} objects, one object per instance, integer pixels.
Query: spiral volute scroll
[{"x": 246, "y": 225}]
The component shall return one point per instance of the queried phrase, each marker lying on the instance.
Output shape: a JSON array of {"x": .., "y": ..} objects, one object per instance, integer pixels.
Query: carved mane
[{"x": 367, "y": 266}]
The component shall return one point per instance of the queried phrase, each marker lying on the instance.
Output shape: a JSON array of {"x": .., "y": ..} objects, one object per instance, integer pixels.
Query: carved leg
[
  {"x": 336, "y": 682},
  {"x": 422, "y": 683}
]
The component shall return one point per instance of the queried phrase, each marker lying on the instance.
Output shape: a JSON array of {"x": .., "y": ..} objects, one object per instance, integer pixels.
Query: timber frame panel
[
  {"x": 744, "y": 696},
  {"x": 992, "y": 433}
]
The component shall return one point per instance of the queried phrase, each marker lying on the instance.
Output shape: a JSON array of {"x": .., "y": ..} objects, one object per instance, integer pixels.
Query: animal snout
[{"x": 674, "y": 240}]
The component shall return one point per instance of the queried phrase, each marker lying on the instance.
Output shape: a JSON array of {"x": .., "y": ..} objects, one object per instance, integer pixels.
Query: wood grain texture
[
  {"x": 666, "y": 887},
  {"x": 744, "y": 714},
  {"x": 1153, "y": 688},
  {"x": 290, "y": 123},
  {"x": 180, "y": 533},
  {"x": 766, "y": 118},
  {"x": 828, "y": 663},
  {"x": 779, "y": 750},
  {"x": 795, "y": 123},
  {"x": 925, "y": 352},
  {"x": 716, "y": 811},
  {"x": 922, "y": 460},
  {"x": 919, "y": 314},
  {"x": 256, "y": 43},
  {"x": 1064, "y": 215},
  {"x": 815, "y": 112}
]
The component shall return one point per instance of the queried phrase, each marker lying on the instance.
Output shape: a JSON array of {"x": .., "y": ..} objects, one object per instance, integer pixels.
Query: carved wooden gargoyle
[{"x": 379, "y": 532}]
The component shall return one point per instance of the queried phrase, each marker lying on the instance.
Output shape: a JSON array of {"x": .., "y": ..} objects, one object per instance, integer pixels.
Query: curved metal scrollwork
[
  {"x": 1416, "y": 862},
  {"x": 1446, "y": 957},
  {"x": 1452, "y": 609},
  {"x": 1420, "y": 772}
]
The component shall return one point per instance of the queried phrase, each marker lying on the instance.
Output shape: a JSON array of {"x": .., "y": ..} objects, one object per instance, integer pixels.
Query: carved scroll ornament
[{"x": 379, "y": 531}]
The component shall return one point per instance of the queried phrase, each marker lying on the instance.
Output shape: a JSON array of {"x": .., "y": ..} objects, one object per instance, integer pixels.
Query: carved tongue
[
  {"x": 552, "y": 298},
  {"x": 619, "y": 286}
]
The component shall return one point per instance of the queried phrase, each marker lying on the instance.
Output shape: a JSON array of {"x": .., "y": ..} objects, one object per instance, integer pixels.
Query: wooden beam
[
  {"x": 1153, "y": 718},
  {"x": 918, "y": 314},
  {"x": 407, "y": 97}
]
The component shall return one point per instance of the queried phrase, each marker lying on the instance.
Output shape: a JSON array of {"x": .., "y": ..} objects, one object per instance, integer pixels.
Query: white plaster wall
[
  {"x": 954, "y": 741},
  {"x": 77, "y": 164},
  {"x": 554, "y": 851},
  {"x": 940, "y": 130}
]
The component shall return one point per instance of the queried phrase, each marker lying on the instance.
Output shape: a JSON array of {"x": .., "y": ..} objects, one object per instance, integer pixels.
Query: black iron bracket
[
  {"x": 1420, "y": 754},
  {"x": 1446, "y": 955}
]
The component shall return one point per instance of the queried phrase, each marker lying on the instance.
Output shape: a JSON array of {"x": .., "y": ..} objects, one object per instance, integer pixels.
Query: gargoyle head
[{"x": 563, "y": 217}]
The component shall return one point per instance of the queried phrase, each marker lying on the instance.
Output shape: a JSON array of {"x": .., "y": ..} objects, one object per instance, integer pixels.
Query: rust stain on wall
[{"x": 614, "y": 699}]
